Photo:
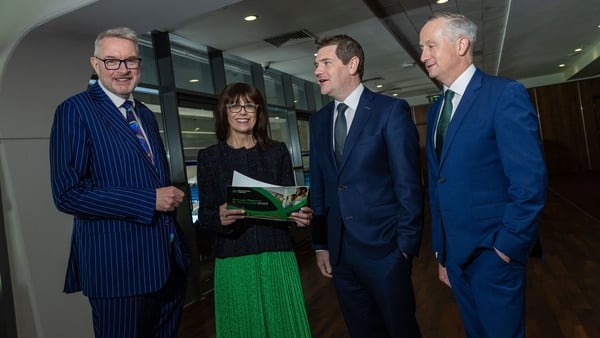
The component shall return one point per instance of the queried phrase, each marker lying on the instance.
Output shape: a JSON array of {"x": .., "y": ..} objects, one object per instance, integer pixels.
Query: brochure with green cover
[{"x": 269, "y": 202}]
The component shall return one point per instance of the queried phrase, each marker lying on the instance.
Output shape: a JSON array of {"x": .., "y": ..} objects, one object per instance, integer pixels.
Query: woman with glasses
[{"x": 257, "y": 286}]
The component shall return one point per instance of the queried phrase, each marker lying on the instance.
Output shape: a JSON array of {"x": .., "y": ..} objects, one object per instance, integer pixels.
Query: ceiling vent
[{"x": 280, "y": 40}]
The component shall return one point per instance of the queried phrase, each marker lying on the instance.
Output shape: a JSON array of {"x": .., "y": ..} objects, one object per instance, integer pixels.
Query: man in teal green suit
[{"x": 487, "y": 181}]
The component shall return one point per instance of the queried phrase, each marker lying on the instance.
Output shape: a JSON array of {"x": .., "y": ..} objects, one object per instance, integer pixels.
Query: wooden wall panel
[
  {"x": 590, "y": 101},
  {"x": 569, "y": 122},
  {"x": 562, "y": 128},
  {"x": 420, "y": 118}
]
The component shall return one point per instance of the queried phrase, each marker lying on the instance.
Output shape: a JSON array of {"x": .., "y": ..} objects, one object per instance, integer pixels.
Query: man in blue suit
[
  {"x": 127, "y": 251},
  {"x": 367, "y": 195},
  {"x": 487, "y": 181}
]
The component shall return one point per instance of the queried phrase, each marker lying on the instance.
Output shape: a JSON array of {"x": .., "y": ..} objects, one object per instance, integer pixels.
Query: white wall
[
  {"x": 41, "y": 72},
  {"x": 44, "y": 58}
]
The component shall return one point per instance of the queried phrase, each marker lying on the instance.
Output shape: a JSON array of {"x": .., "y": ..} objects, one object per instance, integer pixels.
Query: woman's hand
[
  {"x": 302, "y": 216},
  {"x": 229, "y": 216}
]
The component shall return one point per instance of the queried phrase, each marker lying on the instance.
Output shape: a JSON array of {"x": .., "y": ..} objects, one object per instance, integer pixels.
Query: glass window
[
  {"x": 274, "y": 93},
  {"x": 300, "y": 101},
  {"x": 278, "y": 123},
  {"x": 197, "y": 125},
  {"x": 192, "y": 69},
  {"x": 319, "y": 101},
  {"x": 197, "y": 130},
  {"x": 149, "y": 74},
  {"x": 303, "y": 137},
  {"x": 150, "y": 98},
  {"x": 236, "y": 71}
]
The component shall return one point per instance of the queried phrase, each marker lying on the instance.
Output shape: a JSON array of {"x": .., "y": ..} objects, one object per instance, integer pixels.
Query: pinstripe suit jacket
[{"x": 120, "y": 245}]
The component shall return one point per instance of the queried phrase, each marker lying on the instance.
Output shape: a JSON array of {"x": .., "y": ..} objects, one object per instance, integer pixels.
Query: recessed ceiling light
[
  {"x": 577, "y": 50},
  {"x": 562, "y": 65},
  {"x": 251, "y": 17},
  {"x": 441, "y": 1},
  {"x": 194, "y": 80},
  {"x": 379, "y": 86}
]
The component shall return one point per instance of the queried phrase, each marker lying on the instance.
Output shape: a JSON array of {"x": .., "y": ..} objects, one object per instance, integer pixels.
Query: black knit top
[{"x": 215, "y": 171}]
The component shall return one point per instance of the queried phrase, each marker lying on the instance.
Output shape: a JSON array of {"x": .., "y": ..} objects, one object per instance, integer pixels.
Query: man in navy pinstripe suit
[{"x": 127, "y": 252}]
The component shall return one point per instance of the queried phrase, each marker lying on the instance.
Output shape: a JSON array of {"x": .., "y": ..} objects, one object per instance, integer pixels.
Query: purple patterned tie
[{"x": 135, "y": 126}]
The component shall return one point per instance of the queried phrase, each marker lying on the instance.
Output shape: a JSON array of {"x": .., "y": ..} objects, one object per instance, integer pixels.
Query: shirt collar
[
  {"x": 116, "y": 100},
  {"x": 459, "y": 86},
  {"x": 352, "y": 100}
]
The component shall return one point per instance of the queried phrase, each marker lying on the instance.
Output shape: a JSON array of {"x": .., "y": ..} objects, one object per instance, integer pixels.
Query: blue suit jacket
[
  {"x": 376, "y": 191},
  {"x": 101, "y": 175},
  {"x": 489, "y": 186}
]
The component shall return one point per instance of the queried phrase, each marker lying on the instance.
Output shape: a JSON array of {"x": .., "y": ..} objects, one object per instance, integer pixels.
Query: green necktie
[{"x": 443, "y": 122}]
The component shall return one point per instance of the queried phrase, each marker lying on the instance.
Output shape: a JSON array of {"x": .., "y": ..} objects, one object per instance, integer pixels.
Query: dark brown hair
[
  {"x": 347, "y": 48},
  {"x": 232, "y": 93}
]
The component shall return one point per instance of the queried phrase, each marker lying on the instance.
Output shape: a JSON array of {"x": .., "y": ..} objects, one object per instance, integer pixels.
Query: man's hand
[
  {"x": 168, "y": 198},
  {"x": 323, "y": 263},
  {"x": 443, "y": 275},
  {"x": 502, "y": 256}
]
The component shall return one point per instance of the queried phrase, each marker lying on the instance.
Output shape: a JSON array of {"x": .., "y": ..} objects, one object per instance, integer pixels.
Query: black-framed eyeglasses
[
  {"x": 248, "y": 107},
  {"x": 114, "y": 64}
]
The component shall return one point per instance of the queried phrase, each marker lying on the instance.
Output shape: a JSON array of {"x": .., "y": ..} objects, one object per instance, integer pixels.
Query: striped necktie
[{"x": 137, "y": 130}]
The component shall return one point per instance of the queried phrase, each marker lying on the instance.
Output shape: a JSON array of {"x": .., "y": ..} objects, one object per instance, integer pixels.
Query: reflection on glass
[
  {"x": 149, "y": 73},
  {"x": 197, "y": 130},
  {"x": 191, "y": 68},
  {"x": 279, "y": 126},
  {"x": 197, "y": 125},
  {"x": 300, "y": 101},
  {"x": 303, "y": 137},
  {"x": 236, "y": 70},
  {"x": 274, "y": 93},
  {"x": 320, "y": 100}
]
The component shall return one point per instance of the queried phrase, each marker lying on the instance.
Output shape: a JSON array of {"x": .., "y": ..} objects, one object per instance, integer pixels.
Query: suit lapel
[
  {"x": 115, "y": 120},
  {"x": 361, "y": 116},
  {"x": 463, "y": 109},
  {"x": 432, "y": 117},
  {"x": 146, "y": 116},
  {"x": 328, "y": 133}
]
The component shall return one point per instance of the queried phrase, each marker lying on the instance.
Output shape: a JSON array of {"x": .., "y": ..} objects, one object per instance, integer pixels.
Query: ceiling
[{"x": 524, "y": 39}]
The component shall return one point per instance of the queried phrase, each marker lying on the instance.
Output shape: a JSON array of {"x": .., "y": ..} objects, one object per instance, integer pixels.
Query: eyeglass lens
[
  {"x": 248, "y": 107},
  {"x": 113, "y": 64}
]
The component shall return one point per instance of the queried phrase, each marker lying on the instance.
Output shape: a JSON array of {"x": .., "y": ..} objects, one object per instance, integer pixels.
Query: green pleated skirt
[{"x": 260, "y": 296}]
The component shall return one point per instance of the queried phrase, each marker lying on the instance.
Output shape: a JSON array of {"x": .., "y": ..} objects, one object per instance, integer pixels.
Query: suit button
[{"x": 441, "y": 180}]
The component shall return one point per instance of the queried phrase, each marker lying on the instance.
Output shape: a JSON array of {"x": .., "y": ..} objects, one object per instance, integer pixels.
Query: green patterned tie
[{"x": 443, "y": 122}]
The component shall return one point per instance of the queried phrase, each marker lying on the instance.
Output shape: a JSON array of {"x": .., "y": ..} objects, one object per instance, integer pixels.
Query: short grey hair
[
  {"x": 118, "y": 32},
  {"x": 457, "y": 26}
]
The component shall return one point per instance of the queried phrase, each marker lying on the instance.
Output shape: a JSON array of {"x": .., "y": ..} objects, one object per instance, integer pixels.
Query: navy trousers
[
  {"x": 491, "y": 295},
  {"x": 153, "y": 315},
  {"x": 376, "y": 294}
]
